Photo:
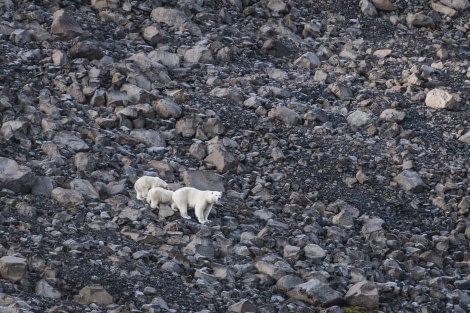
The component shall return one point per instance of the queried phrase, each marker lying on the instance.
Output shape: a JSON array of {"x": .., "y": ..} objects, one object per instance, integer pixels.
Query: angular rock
[
  {"x": 151, "y": 138},
  {"x": 456, "y": 4},
  {"x": 286, "y": 115},
  {"x": 392, "y": 115},
  {"x": 276, "y": 48},
  {"x": 199, "y": 54},
  {"x": 368, "y": 7},
  {"x": 67, "y": 196},
  {"x": 167, "y": 108},
  {"x": 410, "y": 181},
  {"x": 341, "y": 91},
  {"x": 15, "y": 177},
  {"x": 204, "y": 180},
  {"x": 13, "y": 268},
  {"x": 363, "y": 294},
  {"x": 87, "y": 49},
  {"x": 465, "y": 137},
  {"x": 314, "y": 251},
  {"x": 316, "y": 293},
  {"x": 42, "y": 185},
  {"x": 419, "y": 20},
  {"x": 44, "y": 289},
  {"x": 64, "y": 25},
  {"x": 358, "y": 119},
  {"x": 222, "y": 160},
  {"x": 176, "y": 19},
  {"x": 70, "y": 141},
  {"x": 243, "y": 306},
  {"x": 307, "y": 60},
  {"x": 93, "y": 294},
  {"x": 441, "y": 99}
]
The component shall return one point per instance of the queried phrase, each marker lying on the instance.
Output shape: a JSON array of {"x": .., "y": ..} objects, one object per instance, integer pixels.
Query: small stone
[{"x": 64, "y": 25}]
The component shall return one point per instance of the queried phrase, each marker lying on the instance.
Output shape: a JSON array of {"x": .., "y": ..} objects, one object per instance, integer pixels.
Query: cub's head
[{"x": 216, "y": 195}]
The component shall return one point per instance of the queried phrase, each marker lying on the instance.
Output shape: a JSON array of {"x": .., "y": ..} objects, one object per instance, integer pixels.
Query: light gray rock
[
  {"x": 443, "y": 9},
  {"x": 85, "y": 188},
  {"x": 222, "y": 160},
  {"x": 392, "y": 115},
  {"x": 204, "y": 180},
  {"x": 291, "y": 252},
  {"x": 307, "y": 60},
  {"x": 198, "y": 150},
  {"x": 212, "y": 127},
  {"x": 70, "y": 141},
  {"x": 234, "y": 94},
  {"x": 13, "y": 268},
  {"x": 286, "y": 115},
  {"x": 368, "y": 8},
  {"x": 314, "y": 251},
  {"x": 187, "y": 126},
  {"x": 169, "y": 59},
  {"x": 167, "y": 108},
  {"x": 67, "y": 196},
  {"x": 410, "y": 181},
  {"x": 155, "y": 35},
  {"x": 101, "y": 4},
  {"x": 465, "y": 137},
  {"x": 151, "y": 138},
  {"x": 136, "y": 94},
  {"x": 93, "y": 294},
  {"x": 316, "y": 293},
  {"x": 363, "y": 294},
  {"x": 341, "y": 91},
  {"x": 456, "y": 4},
  {"x": 42, "y": 185},
  {"x": 64, "y": 25},
  {"x": 358, "y": 119},
  {"x": 20, "y": 37},
  {"x": 288, "y": 282},
  {"x": 384, "y": 5},
  {"x": 243, "y": 306},
  {"x": 419, "y": 20},
  {"x": 441, "y": 99},
  {"x": 15, "y": 177},
  {"x": 199, "y": 54},
  {"x": 175, "y": 18},
  {"x": 116, "y": 98},
  {"x": 44, "y": 289}
]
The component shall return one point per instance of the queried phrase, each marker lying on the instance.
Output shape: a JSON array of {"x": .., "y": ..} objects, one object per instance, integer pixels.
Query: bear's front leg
[{"x": 199, "y": 211}]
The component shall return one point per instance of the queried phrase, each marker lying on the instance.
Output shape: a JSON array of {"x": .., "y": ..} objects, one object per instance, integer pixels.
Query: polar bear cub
[
  {"x": 158, "y": 195},
  {"x": 201, "y": 200},
  {"x": 145, "y": 183}
]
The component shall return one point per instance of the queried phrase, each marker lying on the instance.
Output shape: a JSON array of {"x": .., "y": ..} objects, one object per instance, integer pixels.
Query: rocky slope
[{"x": 337, "y": 130}]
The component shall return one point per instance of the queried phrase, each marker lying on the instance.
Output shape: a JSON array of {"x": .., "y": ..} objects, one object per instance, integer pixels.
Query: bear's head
[{"x": 216, "y": 195}]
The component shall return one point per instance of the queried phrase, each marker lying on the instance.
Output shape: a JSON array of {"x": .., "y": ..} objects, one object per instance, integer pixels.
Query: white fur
[
  {"x": 158, "y": 195},
  {"x": 201, "y": 201},
  {"x": 145, "y": 183}
]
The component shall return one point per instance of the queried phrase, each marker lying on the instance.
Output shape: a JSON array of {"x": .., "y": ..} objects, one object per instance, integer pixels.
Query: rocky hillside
[{"x": 338, "y": 131}]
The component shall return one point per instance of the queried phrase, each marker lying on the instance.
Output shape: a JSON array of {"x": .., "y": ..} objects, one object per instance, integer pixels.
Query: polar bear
[
  {"x": 200, "y": 200},
  {"x": 145, "y": 183},
  {"x": 158, "y": 195}
]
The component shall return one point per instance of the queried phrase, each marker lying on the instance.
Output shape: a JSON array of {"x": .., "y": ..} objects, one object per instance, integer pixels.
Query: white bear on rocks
[
  {"x": 158, "y": 195},
  {"x": 201, "y": 200},
  {"x": 145, "y": 183}
]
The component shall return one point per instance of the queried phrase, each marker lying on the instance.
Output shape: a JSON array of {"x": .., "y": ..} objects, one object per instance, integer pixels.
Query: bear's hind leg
[{"x": 184, "y": 211}]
